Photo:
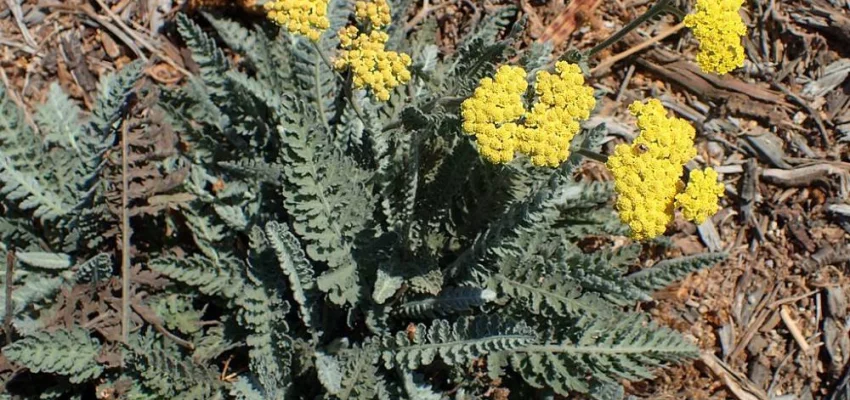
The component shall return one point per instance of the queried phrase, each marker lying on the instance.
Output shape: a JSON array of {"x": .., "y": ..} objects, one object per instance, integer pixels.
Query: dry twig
[
  {"x": 19, "y": 19},
  {"x": 739, "y": 385},
  {"x": 130, "y": 33},
  {"x": 10, "y": 275},
  {"x": 791, "y": 324},
  {"x": 154, "y": 320},
  {"x": 604, "y": 66},
  {"x": 125, "y": 238}
]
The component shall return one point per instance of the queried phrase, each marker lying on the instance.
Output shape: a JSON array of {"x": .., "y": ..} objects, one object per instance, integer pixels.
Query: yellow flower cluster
[
  {"x": 198, "y": 4},
  {"x": 562, "y": 101},
  {"x": 377, "y": 12},
  {"x": 647, "y": 174},
  {"x": 372, "y": 64},
  {"x": 492, "y": 111},
  {"x": 304, "y": 17},
  {"x": 699, "y": 200},
  {"x": 493, "y": 114},
  {"x": 719, "y": 28}
]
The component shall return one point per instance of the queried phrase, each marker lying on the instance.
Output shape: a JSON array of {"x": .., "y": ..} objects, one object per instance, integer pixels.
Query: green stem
[
  {"x": 346, "y": 82},
  {"x": 323, "y": 56},
  {"x": 656, "y": 9}
]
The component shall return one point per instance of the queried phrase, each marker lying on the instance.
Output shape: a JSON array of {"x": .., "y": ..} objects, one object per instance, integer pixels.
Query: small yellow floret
[
  {"x": 372, "y": 65},
  {"x": 719, "y": 28},
  {"x": 303, "y": 17},
  {"x": 375, "y": 12},
  {"x": 699, "y": 200},
  {"x": 647, "y": 173}
]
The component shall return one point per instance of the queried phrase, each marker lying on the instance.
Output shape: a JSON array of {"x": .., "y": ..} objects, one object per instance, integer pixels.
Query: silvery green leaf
[{"x": 45, "y": 260}]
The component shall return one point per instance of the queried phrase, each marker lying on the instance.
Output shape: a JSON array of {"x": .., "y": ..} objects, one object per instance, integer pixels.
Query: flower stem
[
  {"x": 659, "y": 7},
  {"x": 346, "y": 81}
]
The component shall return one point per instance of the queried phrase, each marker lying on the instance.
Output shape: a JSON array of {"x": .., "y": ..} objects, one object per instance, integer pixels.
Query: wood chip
[
  {"x": 796, "y": 333},
  {"x": 739, "y": 385}
]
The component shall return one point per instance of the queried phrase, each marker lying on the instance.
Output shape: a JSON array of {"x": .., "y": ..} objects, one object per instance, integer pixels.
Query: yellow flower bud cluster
[
  {"x": 699, "y": 200},
  {"x": 372, "y": 65},
  {"x": 377, "y": 12},
  {"x": 647, "y": 174},
  {"x": 495, "y": 111},
  {"x": 719, "y": 28},
  {"x": 304, "y": 17}
]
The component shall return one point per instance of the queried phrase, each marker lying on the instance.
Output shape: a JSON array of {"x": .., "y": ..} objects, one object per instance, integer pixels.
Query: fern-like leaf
[
  {"x": 666, "y": 272},
  {"x": 296, "y": 267},
  {"x": 450, "y": 301},
  {"x": 548, "y": 294},
  {"x": 169, "y": 374},
  {"x": 211, "y": 60},
  {"x": 22, "y": 164},
  {"x": 328, "y": 199},
  {"x": 602, "y": 349},
  {"x": 457, "y": 343},
  {"x": 115, "y": 89},
  {"x": 351, "y": 374},
  {"x": 200, "y": 272},
  {"x": 66, "y": 352},
  {"x": 59, "y": 119}
]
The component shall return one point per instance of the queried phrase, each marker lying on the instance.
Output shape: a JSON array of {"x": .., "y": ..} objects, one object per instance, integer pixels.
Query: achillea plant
[
  {"x": 376, "y": 13},
  {"x": 699, "y": 200},
  {"x": 365, "y": 54},
  {"x": 648, "y": 174},
  {"x": 496, "y": 115},
  {"x": 304, "y": 17},
  {"x": 363, "y": 249},
  {"x": 371, "y": 64},
  {"x": 718, "y": 26}
]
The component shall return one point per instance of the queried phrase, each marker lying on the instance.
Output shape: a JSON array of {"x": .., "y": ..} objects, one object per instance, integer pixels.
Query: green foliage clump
[{"x": 359, "y": 248}]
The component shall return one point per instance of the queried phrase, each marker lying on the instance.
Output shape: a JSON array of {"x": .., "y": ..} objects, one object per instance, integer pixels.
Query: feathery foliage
[
  {"x": 309, "y": 242},
  {"x": 65, "y": 352}
]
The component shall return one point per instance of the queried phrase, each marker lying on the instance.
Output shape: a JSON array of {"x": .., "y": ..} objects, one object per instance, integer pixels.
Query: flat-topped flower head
[
  {"x": 365, "y": 52},
  {"x": 372, "y": 65},
  {"x": 563, "y": 100},
  {"x": 699, "y": 200},
  {"x": 375, "y": 12},
  {"x": 719, "y": 28},
  {"x": 303, "y": 17},
  {"x": 494, "y": 114},
  {"x": 647, "y": 173}
]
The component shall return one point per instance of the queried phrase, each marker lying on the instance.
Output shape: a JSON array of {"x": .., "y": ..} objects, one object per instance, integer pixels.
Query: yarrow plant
[
  {"x": 496, "y": 115},
  {"x": 363, "y": 249},
  {"x": 718, "y": 26},
  {"x": 364, "y": 52},
  {"x": 647, "y": 174},
  {"x": 304, "y": 17},
  {"x": 371, "y": 64},
  {"x": 374, "y": 12},
  {"x": 699, "y": 200}
]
